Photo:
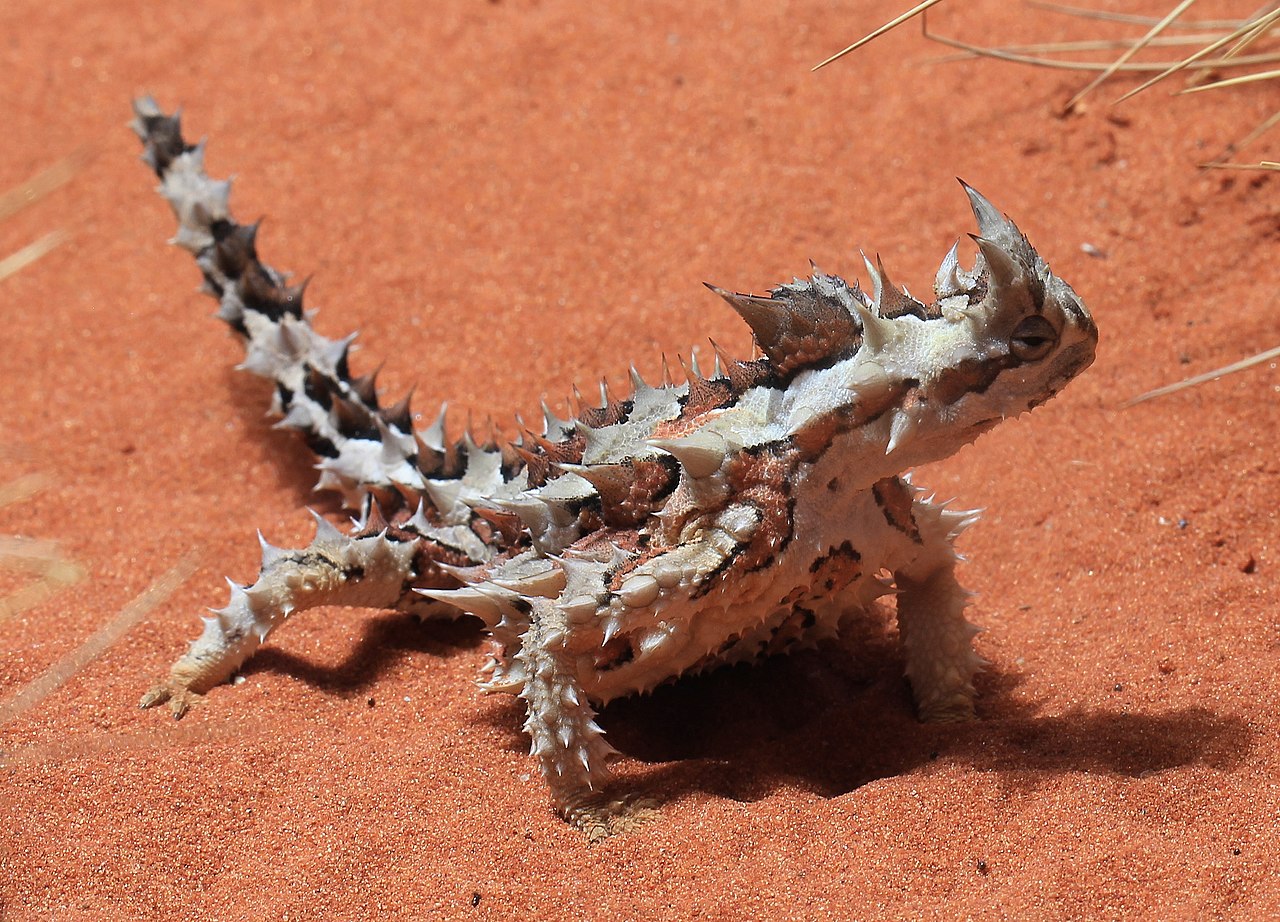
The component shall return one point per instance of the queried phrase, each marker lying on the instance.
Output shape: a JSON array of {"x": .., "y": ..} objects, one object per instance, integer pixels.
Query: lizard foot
[{"x": 600, "y": 817}]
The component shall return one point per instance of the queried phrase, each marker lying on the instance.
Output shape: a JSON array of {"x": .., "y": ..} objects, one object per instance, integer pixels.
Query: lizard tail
[{"x": 364, "y": 449}]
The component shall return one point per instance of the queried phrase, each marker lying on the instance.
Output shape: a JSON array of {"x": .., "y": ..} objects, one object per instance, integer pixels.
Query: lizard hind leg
[{"x": 335, "y": 569}]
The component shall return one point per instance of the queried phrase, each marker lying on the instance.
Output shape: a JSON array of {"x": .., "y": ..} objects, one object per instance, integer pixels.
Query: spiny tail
[{"x": 364, "y": 449}]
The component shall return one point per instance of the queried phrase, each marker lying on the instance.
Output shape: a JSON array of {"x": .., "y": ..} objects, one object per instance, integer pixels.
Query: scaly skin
[{"x": 677, "y": 529}]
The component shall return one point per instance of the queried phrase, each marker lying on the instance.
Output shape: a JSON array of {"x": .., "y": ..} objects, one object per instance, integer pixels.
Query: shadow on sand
[{"x": 828, "y": 721}]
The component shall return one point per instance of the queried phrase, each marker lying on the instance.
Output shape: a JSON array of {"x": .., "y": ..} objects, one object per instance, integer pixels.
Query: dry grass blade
[
  {"x": 96, "y": 645},
  {"x": 887, "y": 27},
  {"x": 1268, "y": 165},
  {"x": 1234, "y": 81},
  {"x": 44, "y": 182},
  {"x": 1134, "y": 49},
  {"x": 43, "y": 558},
  {"x": 115, "y": 741},
  {"x": 1004, "y": 54},
  {"x": 1033, "y": 55},
  {"x": 30, "y": 253},
  {"x": 1267, "y": 125},
  {"x": 1237, "y": 30},
  {"x": 21, "y": 489},
  {"x": 26, "y": 553},
  {"x": 1239, "y": 35},
  {"x": 1102, "y": 44},
  {"x": 1208, "y": 375},
  {"x": 1129, "y": 18},
  {"x": 1253, "y": 29},
  {"x": 54, "y": 573}
]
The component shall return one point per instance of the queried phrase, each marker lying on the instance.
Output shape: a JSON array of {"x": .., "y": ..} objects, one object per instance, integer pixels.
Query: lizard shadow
[
  {"x": 282, "y": 451},
  {"x": 828, "y": 720},
  {"x": 384, "y": 642}
]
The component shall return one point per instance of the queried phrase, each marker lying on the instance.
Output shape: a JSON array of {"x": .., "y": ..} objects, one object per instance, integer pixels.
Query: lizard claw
[{"x": 179, "y": 696}]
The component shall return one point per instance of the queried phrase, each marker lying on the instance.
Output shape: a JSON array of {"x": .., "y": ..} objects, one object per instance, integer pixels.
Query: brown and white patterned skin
[{"x": 684, "y": 527}]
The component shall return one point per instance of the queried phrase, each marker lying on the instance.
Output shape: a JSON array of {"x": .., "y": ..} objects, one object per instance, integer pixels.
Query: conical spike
[
  {"x": 701, "y": 454},
  {"x": 335, "y": 354},
  {"x": 900, "y": 430},
  {"x": 418, "y": 522},
  {"x": 293, "y": 340},
  {"x": 444, "y": 495},
  {"x": 800, "y": 324},
  {"x": 875, "y": 331},
  {"x": 998, "y": 227},
  {"x": 693, "y": 371},
  {"x": 766, "y": 316},
  {"x": 717, "y": 367},
  {"x": 536, "y": 466},
  {"x": 234, "y": 248},
  {"x": 511, "y": 454},
  {"x": 991, "y": 223},
  {"x": 372, "y": 519},
  {"x": 947, "y": 282},
  {"x": 296, "y": 295},
  {"x": 545, "y": 583},
  {"x": 703, "y": 394},
  {"x": 399, "y": 414},
  {"x": 738, "y": 374},
  {"x": 1003, "y": 270},
  {"x": 396, "y": 446},
  {"x": 893, "y": 301},
  {"x": 609, "y": 478},
  {"x": 553, "y": 426},
  {"x": 350, "y": 418},
  {"x": 270, "y": 553},
  {"x": 611, "y": 626},
  {"x": 877, "y": 281},
  {"x": 326, "y": 532},
  {"x": 470, "y": 600}
]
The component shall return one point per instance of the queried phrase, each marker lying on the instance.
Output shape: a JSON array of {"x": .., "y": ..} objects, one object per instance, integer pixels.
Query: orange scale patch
[{"x": 761, "y": 479}]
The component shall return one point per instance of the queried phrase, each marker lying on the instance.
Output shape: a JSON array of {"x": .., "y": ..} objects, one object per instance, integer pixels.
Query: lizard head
[
  {"x": 924, "y": 379},
  {"x": 1002, "y": 338},
  {"x": 1024, "y": 322}
]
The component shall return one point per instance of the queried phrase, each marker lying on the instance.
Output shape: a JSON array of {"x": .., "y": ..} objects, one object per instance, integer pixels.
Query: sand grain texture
[{"x": 509, "y": 197}]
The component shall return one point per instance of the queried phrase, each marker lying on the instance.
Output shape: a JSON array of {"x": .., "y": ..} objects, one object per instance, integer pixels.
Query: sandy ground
[{"x": 506, "y": 198}]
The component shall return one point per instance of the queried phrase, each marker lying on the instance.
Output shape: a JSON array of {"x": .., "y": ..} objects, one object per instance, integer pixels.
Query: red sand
[{"x": 507, "y": 197}]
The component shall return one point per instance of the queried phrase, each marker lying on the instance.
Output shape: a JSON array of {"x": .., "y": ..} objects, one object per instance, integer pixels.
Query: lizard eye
[{"x": 1033, "y": 339}]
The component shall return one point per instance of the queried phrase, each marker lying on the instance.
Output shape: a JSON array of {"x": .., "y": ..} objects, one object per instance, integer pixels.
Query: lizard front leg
[
  {"x": 936, "y": 637},
  {"x": 372, "y": 571}
]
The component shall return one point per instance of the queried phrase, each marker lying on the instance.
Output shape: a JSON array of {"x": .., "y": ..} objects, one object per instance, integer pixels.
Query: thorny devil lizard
[{"x": 683, "y": 527}]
